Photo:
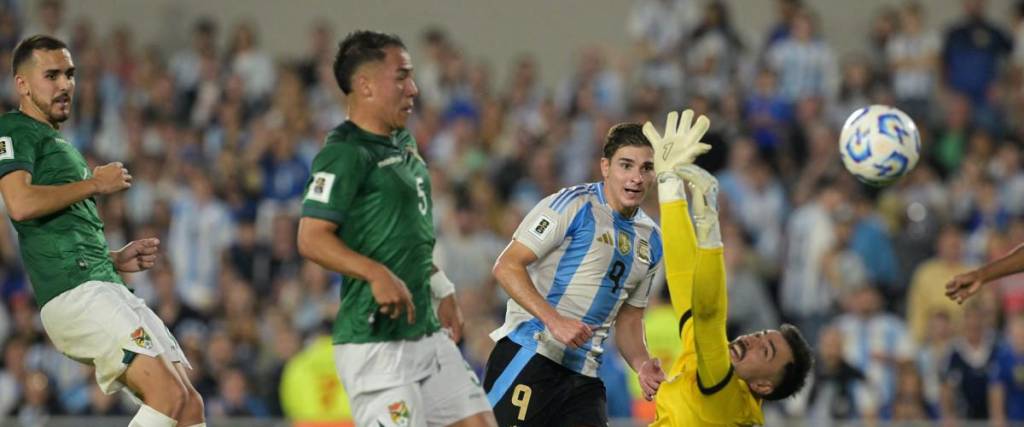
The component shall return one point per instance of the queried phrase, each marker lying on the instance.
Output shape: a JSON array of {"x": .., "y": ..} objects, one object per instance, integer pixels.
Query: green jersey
[
  {"x": 66, "y": 248},
  {"x": 377, "y": 189}
]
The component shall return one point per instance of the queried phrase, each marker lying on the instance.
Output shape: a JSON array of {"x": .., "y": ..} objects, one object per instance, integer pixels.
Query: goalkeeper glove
[
  {"x": 704, "y": 188},
  {"x": 680, "y": 145}
]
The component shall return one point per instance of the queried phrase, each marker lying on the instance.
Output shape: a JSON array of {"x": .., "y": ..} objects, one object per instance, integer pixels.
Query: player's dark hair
[
  {"x": 25, "y": 48},
  {"x": 794, "y": 374},
  {"x": 624, "y": 134},
  {"x": 358, "y": 48}
]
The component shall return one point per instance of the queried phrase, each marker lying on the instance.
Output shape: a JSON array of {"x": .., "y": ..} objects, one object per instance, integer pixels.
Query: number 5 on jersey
[{"x": 422, "y": 195}]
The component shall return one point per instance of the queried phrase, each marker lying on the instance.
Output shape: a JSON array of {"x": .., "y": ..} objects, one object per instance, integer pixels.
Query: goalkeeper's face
[
  {"x": 759, "y": 359},
  {"x": 628, "y": 176}
]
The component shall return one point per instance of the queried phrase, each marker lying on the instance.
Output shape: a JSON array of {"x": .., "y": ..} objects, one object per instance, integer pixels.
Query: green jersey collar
[{"x": 391, "y": 140}]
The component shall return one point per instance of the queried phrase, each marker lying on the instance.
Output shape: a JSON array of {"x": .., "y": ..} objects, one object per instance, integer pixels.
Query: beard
[{"x": 54, "y": 113}]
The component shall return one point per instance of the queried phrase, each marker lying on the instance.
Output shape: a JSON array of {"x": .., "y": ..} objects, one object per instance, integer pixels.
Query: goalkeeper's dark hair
[
  {"x": 358, "y": 48},
  {"x": 622, "y": 135},
  {"x": 794, "y": 374},
  {"x": 23, "y": 52}
]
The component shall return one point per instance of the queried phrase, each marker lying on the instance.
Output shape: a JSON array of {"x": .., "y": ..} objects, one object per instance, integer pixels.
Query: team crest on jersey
[
  {"x": 541, "y": 227},
  {"x": 643, "y": 251},
  {"x": 399, "y": 413},
  {"x": 623, "y": 242},
  {"x": 6, "y": 148},
  {"x": 320, "y": 188},
  {"x": 142, "y": 339}
]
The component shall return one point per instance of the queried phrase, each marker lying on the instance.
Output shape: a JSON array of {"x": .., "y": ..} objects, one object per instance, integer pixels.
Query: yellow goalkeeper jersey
[{"x": 701, "y": 389}]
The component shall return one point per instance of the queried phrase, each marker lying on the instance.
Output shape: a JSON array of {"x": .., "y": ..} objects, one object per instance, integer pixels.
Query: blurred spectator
[
  {"x": 780, "y": 30},
  {"x": 49, "y": 20},
  {"x": 810, "y": 234},
  {"x": 200, "y": 230},
  {"x": 837, "y": 391},
  {"x": 874, "y": 341},
  {"x": 13, "y": 376},
  {"x": 933, "y": 356},
  {"x": 913, "y": 58},
  {"x": 805, "y": 64},
  {"x": 924, "y": 297},
  {"x": 39, "y": 403},
  {"x": 252, "y": 64},
  {"x": 1006, "y": 384},
  {"x": 714, "y": 52},
  {"x": 748, "y": 292},
  {"x": 871, "y": 242},
  {"x": 234, "y": 399},
  {"x": 909, "y": 403},
  {"x": 187, "y": 65},
  {"x": 972, "y": 51},
  {"x": 965, "y": 388},
  {"x": 657, "y": 28}
]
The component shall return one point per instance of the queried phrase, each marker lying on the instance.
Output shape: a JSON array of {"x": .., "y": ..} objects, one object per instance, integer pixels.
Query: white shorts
[
  {"x": 97, "y": 323},
  {"x": 409, "y": 383}
]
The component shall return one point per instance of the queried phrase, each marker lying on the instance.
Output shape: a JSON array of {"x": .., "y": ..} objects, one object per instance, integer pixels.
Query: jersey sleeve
[
  {"x": 546, "y": 225},
  {"x": 680, "y": 250},
  {"x": 710, "y": 305},
  {"x": 17, "y": 151},
  {"x": 337, "y": 175}
]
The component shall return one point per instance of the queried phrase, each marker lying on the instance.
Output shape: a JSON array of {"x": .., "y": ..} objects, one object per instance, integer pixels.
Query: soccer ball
[{"x": 879, "y": 144}]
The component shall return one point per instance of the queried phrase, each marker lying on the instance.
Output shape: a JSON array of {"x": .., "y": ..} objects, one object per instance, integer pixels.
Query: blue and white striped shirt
[{"x": 590, "y": 260}]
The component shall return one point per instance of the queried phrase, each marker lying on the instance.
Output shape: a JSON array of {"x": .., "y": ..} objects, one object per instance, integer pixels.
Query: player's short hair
[
  {"x": 358, "y": 48},
  {"x": 25, "y": 48},
  {"x": 622, "y": 135},
  {"x": 794, "y": 374}
]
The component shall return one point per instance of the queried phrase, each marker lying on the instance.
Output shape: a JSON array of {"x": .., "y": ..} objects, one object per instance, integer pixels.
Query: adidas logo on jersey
[{"x": 606, "y": 238}]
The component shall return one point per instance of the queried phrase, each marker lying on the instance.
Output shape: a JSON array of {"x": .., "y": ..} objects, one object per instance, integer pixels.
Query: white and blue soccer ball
[{"x": 879, "y": 144}]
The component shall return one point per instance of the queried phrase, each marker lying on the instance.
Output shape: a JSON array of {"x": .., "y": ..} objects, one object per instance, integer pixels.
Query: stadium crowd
[{"x": 219, "y": 136}]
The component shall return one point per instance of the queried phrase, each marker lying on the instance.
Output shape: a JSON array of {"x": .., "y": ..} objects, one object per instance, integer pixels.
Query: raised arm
[
  {"x": 710, "y": 300},
  {"x": 26, "y": 201}
]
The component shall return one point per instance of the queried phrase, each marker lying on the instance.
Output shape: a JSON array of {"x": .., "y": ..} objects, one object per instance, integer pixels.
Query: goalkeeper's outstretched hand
[
  {"x": 704, "y": 188},
  {"x": 680, "y": 144}
]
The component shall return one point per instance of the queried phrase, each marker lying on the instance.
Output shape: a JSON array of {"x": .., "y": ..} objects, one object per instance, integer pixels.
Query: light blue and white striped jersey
[{"x": 590, "y": 260}]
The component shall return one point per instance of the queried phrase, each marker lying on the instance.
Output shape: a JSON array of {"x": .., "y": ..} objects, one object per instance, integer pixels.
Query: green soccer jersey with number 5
[
  {"x": 66, "y": 248},
  {"x": 377, "y": 190}
]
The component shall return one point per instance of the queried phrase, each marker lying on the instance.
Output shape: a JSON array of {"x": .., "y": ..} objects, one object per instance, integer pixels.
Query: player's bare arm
[
  {"x": 632, "y": 343},
  {"x": 510, "y": 271},
  {"x": 317, "y": 242},
  {"x": 963, "y": 286},
  {"x": 26, "y": 201},
  {"x": 448, "y": 312}
]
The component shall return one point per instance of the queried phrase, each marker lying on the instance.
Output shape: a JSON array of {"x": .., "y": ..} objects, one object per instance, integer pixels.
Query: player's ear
[
  {"x": 21, "y": 85},
  {"x": 762, "y": 386},
  {"x": 605, "y": 166},
  {"x": 362, "y": 85}
]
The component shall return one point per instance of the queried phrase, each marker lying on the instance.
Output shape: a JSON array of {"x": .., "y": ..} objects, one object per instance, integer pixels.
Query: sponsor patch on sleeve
[
  {"x": 320, "y": 188},
  {"x": 6, "y": 148},
  {"x": 542, "y": 227}
]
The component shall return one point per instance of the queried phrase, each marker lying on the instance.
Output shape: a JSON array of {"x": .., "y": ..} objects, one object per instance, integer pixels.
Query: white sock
[{"x": 149, "y": 417}]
